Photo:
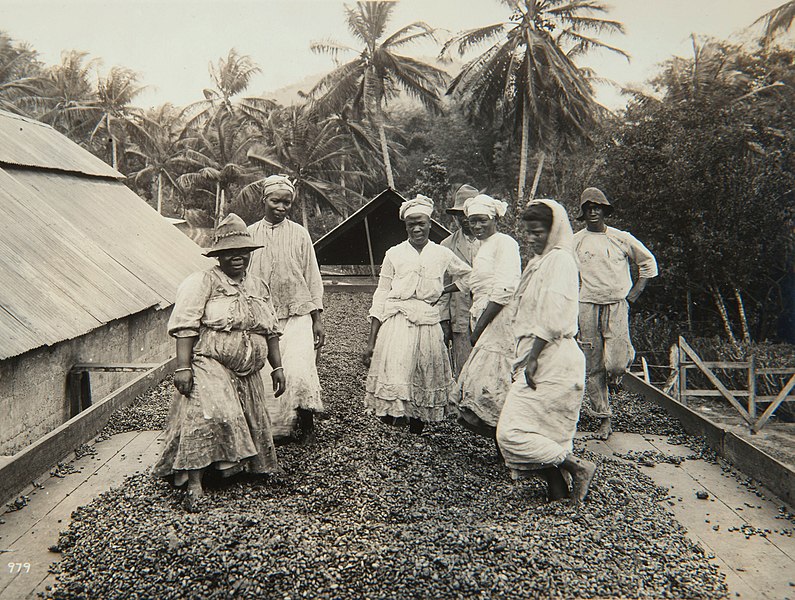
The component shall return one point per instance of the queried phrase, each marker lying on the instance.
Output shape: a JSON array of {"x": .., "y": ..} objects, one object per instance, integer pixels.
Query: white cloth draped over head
[
  {"x": 483, "y": 204},
  {"x": 421, "y": 205},
  {"x": 274, "y": 183}
]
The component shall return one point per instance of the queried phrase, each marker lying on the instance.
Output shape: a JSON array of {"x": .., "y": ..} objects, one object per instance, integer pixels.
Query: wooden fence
[{"x": 745, "y": 401}]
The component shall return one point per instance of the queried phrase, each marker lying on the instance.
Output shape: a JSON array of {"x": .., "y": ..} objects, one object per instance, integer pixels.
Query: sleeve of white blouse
[
  {"x": 192, "y": 295},
  {"x": 459, "y": 271},
  {"x": 507, "y": 271},
  {"x": 558, "y": 303},
  {"x": 382, "y": 291}
]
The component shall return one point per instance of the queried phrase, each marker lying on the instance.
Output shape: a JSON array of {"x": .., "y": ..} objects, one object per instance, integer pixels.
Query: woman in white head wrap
[
  {"x": 410, "y": 375},
  {"x": 540, "y": 415},
  {"x": 485, "y": 377}
]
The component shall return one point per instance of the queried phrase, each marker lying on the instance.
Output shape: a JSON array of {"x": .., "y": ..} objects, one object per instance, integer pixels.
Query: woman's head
[
  {"x": 232, "y": 245},
  {"x": 278, "y": 194},
  {"x": 416, "y": 213},
  {"x": 537, "y": 220},
  {"x": 482, "y": 212}
]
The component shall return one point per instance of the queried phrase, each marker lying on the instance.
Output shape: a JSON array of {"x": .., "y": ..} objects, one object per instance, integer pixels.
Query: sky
[{"x": 170, "y": 43}]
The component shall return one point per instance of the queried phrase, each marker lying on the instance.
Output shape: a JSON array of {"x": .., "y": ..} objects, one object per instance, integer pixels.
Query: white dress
[
  {"x": 537, "y": 426},
  {"x": 486, "y": 376},
  {"x": 410, "y": 374}
]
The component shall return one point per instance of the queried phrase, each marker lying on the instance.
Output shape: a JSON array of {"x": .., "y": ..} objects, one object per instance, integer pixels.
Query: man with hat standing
[
  {"x": 454, "y": 308},
  {"x": 605, "y": 255},
  {"x": 287, "y": 263}
]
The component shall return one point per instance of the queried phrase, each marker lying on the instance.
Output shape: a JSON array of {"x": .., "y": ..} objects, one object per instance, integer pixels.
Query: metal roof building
[{"x": 78, "y": 249}]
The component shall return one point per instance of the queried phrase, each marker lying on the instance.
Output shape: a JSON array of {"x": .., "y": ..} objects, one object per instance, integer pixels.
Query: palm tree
[
  {"x": 776, "y": 21},
  {"x": 216, "y": 155},
  {"x": 156, "y": 140},
  {"x": 20, "y": 77},
  {"x": 311, "y": 153},
  {"x": 115, "y": 93},
  {"x": 529, "y": 74},
  {"x": 378, "y": 73},
  {"x": 231, "y": 77},
  {"x": 69, "y": 95}
]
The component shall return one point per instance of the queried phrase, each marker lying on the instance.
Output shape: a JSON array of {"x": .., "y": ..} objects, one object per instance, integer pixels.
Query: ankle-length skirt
[{"x": 410, "y": 373}]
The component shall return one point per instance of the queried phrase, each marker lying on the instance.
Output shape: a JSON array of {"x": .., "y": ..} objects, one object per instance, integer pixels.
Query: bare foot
[
  {"x": 605, "y": 429},
  {"x": 556, "y": 484},
  {"x": 192, "y": 499},
  {"x": 581, "y": 480}
]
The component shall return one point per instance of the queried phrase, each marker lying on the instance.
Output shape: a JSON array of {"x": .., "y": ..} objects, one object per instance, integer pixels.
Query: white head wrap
[
  {"x": 421, "y": 205},
  {"x": 277, "y": 182},
  {"x": 485, "y": 205}
]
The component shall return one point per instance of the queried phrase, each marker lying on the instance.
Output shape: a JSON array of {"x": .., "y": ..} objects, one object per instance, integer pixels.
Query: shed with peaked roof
[
  {"x": 365, "y": 236},
  {"x": 88, "y": 273}
]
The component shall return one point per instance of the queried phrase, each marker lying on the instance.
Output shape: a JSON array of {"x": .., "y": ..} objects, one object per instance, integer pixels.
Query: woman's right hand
[
  {"x": 183, "y": 381},
  {"x": 367, "y": 356}
]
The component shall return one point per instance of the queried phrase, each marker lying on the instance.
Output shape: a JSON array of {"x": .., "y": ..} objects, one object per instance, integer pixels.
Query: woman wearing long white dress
[
  {"x": 539, "y": 418},
  {"x": 410, "y": 375},
  {"x": 486, "y": 376}
]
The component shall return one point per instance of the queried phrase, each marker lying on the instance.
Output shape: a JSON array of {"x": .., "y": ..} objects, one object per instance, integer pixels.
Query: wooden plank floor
[
  {"x": 756, "y": 567},
  {"x": 27, "y": 534}
]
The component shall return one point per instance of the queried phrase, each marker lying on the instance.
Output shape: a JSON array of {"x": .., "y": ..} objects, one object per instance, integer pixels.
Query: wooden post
[
  {"x": 369, "y": 247},
  {"x": 645, "y": 369},
  {"x": 752, "y": 388},
  {"x": 682, "y": 371}
]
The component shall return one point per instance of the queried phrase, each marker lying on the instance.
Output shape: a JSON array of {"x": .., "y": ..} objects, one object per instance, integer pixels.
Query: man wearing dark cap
[
  {"x": 454, "y": 308},
  {"x": 606, "y": 289}
]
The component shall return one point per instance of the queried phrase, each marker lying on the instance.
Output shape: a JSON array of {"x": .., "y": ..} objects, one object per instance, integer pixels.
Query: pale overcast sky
[{"x": 171, "y": 42}]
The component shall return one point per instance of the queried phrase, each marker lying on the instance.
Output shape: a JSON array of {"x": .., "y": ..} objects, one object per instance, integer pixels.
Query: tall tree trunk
[
  {"x": 724, "y": 314},
  {"x": 541, "y": 156},
  {"x": 217, "y": 203},
  {"x": 344, "y": 189},
  {"x": 743, "y": 318},
  {"x": 523, "y": 153},
  {"x": 160, "y": 192},
  {"x": 304, "y": 216},
  {"x": 114, "y": 158},
  {"x": 390, "y": 179},
  {"x": 222, "y": 205}
]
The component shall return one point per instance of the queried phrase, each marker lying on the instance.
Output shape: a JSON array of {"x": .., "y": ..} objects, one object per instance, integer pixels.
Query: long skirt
[
  {"x": 410, "y": 374},
  {"x": 486, "y": 376},
  {"x": 297, "y": 346},
  {"x": 223, "y": 420},
  {"x": 537, "y": 426}
]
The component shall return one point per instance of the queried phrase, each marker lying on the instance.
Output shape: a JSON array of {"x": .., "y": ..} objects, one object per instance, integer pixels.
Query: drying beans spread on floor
[{"x": 371, "y": 511}]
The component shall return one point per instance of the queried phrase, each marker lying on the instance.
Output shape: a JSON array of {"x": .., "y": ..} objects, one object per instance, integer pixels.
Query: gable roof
[
  {"x": 346, "y": 244},
  {"x": 78, "y": 249}
]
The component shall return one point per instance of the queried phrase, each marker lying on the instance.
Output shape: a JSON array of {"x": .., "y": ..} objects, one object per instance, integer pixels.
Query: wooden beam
[
  {"x": 714, "y": 380},
  {"x": 369, "y": 246},
  {"x": 44, "y": 453},
  {"x": 114, "y": 367},
  {"x": 774, "y": 405}
]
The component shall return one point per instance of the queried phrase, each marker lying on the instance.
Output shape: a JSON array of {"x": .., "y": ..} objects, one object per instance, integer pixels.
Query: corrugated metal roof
[
  {"x": 28, "y": 143},
  {"x": 78, "y": 252}
]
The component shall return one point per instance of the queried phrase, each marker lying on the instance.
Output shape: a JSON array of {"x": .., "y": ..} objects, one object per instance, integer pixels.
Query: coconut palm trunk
[
  {"x": 523, "y": 152},
  {"x": 159, "y": 193},
  {"x": 390, "y": 179}
]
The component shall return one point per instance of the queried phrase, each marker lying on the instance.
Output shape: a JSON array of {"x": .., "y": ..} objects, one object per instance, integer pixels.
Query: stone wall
[{"x": 33, "y": 398}]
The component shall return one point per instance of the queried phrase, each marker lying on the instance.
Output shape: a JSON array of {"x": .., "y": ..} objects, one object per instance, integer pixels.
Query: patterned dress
[{"x": 224, "y": 419}]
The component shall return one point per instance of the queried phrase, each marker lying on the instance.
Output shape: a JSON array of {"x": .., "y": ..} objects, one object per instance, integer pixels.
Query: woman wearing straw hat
[
  {"x": 410, "y": 375},
  {"x": 486, "y": 375},
  {"x": 226, "y": 328}
]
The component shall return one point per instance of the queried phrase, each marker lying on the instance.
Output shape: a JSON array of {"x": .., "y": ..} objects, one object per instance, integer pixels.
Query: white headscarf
[
  {"x": 273, "y": 183},
  {"x": 485, "y": 205},
  {"x": 421, "y": 205}
]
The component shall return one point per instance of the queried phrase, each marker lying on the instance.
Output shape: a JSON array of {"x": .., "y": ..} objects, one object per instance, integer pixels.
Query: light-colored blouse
[
  {"x": 411, "y": 282},
  {"x": 211, "y": 300},
  {"x": 495, "y": 272}
]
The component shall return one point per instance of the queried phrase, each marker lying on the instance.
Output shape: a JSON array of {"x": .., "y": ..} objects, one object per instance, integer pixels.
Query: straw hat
[
  {"x": 594, "y": 196},
  {"x": 231, "y": 234}
]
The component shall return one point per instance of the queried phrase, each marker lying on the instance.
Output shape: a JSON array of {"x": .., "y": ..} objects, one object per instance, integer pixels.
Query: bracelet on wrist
[
  {"x": 183, "y": 369},
  {"x": 277, "y": 369}
]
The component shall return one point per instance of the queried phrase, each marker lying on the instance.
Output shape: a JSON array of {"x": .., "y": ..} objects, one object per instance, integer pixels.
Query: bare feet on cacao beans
[{"x": 605, "y": 429}]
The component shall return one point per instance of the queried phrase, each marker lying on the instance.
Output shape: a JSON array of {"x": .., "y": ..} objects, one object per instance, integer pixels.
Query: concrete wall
[{"x": 33, "y": 386}]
